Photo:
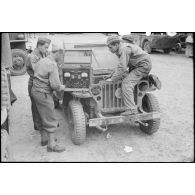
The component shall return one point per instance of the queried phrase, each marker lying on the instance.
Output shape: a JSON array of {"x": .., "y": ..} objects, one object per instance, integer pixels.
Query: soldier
[
  {"x": 46, "y": 80},
  {"x": 39, "y": 53},
  {"x": 7, "y": 98},
  {"x": 134, "y": 64}
]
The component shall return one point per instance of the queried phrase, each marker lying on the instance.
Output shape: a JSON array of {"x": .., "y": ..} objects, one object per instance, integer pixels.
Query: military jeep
[{"x": 90, "y": 101}]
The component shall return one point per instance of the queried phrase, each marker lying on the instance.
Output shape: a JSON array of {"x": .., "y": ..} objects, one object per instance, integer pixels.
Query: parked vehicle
[
  {"x": 153, "y": 41},
  {"x": 19, "y": 53},
  {"x": 90, "y": 101},
  {"x": 189, "y": 45}
]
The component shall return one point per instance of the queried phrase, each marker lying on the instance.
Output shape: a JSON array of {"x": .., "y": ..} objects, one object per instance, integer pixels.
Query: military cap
[
  {"x": 43, "y": 39},
  {"x": 57, "y": 47},
  {"x": 112, "y": 38},
  {"x": 128, "y": 38}
]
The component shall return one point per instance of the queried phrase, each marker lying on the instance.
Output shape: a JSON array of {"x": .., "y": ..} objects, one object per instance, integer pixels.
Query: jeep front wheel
[
  {"x": 150, "y": 104},
  {"x": 77, "y": 123}
]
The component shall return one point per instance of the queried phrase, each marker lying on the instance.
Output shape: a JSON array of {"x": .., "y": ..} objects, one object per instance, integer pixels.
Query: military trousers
[
  {"x": 130, "y": 81},
  {"x": 45, "y": 107},
  {"x": 35, "y": 114}
]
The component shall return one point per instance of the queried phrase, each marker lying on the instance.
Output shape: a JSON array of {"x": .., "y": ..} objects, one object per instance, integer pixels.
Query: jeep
[{"x": 90, "y": 101}]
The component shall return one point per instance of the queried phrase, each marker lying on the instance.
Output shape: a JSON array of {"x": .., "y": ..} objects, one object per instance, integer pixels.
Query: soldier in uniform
[
  {"x": 39, "y": 53},
  {"x": 134, "y": 64},
  {"x": 46, "y": 80}
]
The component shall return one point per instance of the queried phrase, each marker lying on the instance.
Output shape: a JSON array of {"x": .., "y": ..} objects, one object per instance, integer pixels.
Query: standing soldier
[
  {"x": 7, "y": 97},
  {"x": 134, "y": 64},
  {"x": 46, "y": 80},
  {"x": 39, "y": 53}
]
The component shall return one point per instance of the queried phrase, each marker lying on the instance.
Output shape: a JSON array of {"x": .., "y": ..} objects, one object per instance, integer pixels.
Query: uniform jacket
[
  {"x": 130, "y": 57},
  {"x": 5, "y": 94},
  {"x": 46, "y": 76},
  {"x": 33, "y": 58}
]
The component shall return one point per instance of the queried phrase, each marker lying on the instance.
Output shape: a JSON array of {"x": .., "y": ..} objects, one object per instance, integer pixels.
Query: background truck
[
  {"x": 19, "y": 53},
  {"x": 156, "y": 41}
]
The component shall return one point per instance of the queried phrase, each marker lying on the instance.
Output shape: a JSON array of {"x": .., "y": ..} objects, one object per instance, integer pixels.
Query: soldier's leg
[
  {"x": 130, "y": 82},
  {"x": 45, "y": 106},
  {"x": 35, "y": 113},
  {"x": 128, "y": 85}
]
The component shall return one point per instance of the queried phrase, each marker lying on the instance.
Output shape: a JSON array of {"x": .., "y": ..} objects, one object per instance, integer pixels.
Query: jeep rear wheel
[
  {"x": 150, "y": 104},
  {"x": 19, "y": 58},
  {"x": 77, "y": 123},
  {"x": 167, "y": 51},
  {"x": 147, "y": 47}
]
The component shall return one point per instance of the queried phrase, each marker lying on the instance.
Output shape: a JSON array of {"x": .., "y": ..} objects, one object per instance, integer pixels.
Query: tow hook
[
  {"x": 102, "y": 128},
  {"x": 142, "y": 123}
]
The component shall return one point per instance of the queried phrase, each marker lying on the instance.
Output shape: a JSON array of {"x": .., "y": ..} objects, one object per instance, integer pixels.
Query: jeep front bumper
[{"x": 104, "y": 121}]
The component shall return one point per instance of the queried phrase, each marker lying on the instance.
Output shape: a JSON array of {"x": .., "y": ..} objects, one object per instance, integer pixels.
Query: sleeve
[
  {"x": 31, "y": 62},
  {"x": 29, "y": 67},
  {"x": 122, "y": 66},
  {"x": 5, "y": 96},
  {"x": 55, "y": 80}
]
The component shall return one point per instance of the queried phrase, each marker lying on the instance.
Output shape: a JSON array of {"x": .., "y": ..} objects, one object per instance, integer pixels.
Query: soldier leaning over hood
[{"x": 134, "y": 64}]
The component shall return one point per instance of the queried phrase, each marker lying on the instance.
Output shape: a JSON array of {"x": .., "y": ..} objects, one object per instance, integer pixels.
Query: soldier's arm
[
  {"x": 29, "y": 67},
  {"x": 122, "y": 66},
  {"x": 55, "y": 80},
  {"x": 31, "y": 62},
  {"x": 5, "y": 95}
]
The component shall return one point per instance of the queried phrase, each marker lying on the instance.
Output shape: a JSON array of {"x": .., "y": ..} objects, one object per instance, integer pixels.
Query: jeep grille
[
  {"x": 76, "y": 80},
  {"x": 110, "y": 102}
]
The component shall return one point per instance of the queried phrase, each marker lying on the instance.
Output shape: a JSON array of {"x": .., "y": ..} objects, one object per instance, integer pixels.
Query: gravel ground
[{"x": 174, "y": 142}]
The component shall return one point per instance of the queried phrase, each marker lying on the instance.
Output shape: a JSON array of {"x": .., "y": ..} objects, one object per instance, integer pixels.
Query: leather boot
[
  {"x": 44, "y": 138},
  {"x": 53, "y": 146}
]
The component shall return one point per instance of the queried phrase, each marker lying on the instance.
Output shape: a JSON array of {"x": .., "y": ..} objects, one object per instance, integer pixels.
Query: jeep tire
[
  {"x": 150, "y": 104},
  {"x": 77, "y": 122},
  {"x": 147, "y": 47},
  {"x": 167, "y": 51},
  {"x": 18, "y": 67}
]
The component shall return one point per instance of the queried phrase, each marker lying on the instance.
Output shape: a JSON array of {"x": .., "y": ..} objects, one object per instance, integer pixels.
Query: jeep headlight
[
  {"x": 84, "y": 74},
  {"x": 66, "y": 74}
]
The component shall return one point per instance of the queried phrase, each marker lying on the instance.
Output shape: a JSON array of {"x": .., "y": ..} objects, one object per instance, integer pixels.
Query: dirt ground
[{"x": 174, "y": 142}]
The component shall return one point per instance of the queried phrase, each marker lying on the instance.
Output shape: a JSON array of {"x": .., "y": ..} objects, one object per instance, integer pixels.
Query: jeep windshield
[{"x": 102, "y": 60}]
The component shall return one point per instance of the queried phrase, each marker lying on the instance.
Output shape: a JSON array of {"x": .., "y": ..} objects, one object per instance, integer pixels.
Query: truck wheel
[
  {"x": 77, "y": 123},
  {"x": 147, "y": 47},
  {"x": 150, "y": 104},
  {"x": 167, "y": 51},
  {"x": 19, "y": 58}
]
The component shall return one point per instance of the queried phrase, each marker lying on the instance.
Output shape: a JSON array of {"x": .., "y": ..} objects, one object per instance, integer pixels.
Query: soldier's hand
[
  {"x": 108, "y": 80},
  {"x": 107, "y": 76},
  {"x": 62, "y": 88}
]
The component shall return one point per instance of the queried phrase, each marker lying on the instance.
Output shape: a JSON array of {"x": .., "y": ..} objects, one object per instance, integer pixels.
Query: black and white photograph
[{"x": 97, "y": 97}]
